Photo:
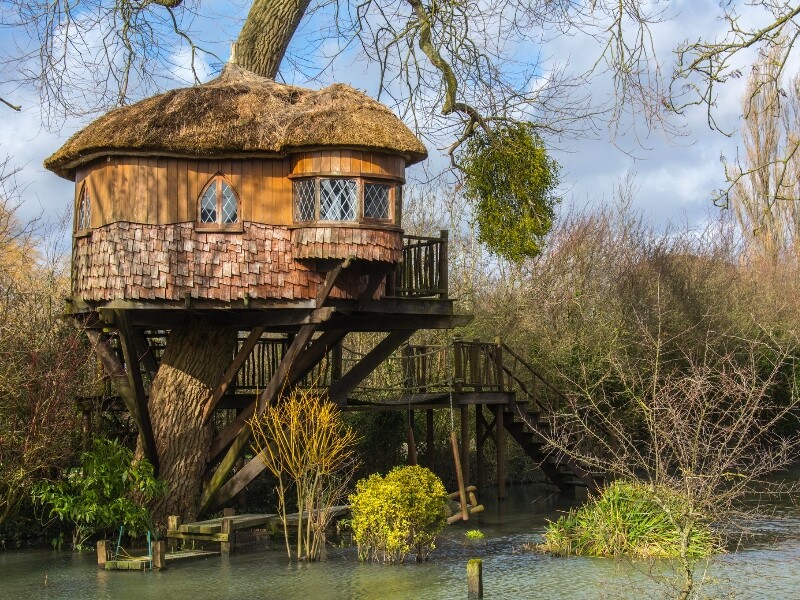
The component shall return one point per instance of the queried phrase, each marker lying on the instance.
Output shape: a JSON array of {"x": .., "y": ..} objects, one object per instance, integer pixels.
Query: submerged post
[
  {"x": 159, "y": 554},
  {"x": 102, "y": 553},
  {"x": 474, "y": 578}
]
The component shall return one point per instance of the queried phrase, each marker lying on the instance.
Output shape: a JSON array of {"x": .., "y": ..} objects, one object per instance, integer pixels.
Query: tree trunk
[
  {"x": 194, "y": 360},
  {"x": 266, "y": 33}
]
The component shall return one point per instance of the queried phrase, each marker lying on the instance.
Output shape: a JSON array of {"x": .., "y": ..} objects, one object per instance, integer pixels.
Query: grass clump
[
  {"x": 475, "y": 534},
  {"x": 631, "y": 519}
]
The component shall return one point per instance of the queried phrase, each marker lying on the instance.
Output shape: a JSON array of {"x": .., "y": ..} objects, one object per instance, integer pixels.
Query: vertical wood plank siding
[{"x": 160, "y": 191}]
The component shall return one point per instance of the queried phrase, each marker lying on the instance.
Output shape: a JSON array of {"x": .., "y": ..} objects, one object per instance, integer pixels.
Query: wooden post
[
  {"x": 412, "y": 444},
  {"x": 462, "y": 492},
  {"x": 430, "y": 448},
  {"x": 465, "y": 441},
  {"x": 102, "y": 553},
  {"x": 173, "y": 524},
  {"x": 480, "y": 459},
  {"x": 443, "y": 266},
  {"x": 227, "y": 527},
  {"x": 500, "y": 444},
  {"x": 475, "y": 578},
  {"x": 159, "y": 554}
]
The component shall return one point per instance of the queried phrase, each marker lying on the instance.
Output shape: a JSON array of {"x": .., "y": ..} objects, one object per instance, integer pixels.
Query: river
[{"x": 767, "y": 566}]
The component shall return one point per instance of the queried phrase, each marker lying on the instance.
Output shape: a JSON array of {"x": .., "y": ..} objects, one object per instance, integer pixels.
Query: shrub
[
  {"x": 629, "y": 519},
  {"x": 108, "y": 490},
  {"x": 398, "y": 514}
]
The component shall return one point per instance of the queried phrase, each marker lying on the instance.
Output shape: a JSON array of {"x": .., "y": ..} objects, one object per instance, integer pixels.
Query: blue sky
[{"x": 676, "y": 175}]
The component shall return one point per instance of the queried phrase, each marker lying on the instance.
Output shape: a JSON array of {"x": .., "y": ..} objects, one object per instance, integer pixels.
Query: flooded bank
[{"x": 768, "y": 566}]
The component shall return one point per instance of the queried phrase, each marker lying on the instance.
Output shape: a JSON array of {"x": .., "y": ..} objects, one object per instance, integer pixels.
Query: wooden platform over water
[{"x": 138, "y": 563}]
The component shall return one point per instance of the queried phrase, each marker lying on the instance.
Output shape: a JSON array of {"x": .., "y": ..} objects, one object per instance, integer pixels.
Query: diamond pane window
[
  {"x": 338, "y": 200},
  {"x": 208, "y": 205},
  {"x": 305, "y": 199},
  {"x": 376, "y": 201},
  {"x": 84, "y": 210},
  {"x": 229, "y": 204}
]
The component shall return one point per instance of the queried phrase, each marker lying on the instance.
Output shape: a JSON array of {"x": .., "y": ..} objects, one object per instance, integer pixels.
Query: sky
[{"x": 676, "y": 175}]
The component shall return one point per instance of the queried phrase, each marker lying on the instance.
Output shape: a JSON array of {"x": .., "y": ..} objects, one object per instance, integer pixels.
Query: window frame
[
  {"x": 217, "y": 180},
  {"x": 361, "y": 182}
]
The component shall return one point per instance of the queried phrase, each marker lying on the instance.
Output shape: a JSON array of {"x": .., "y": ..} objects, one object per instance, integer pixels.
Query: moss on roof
[{"x": 240, "y": 113}]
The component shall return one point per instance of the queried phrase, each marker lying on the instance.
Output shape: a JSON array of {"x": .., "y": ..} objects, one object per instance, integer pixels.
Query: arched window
[
  {"x": 83, "y": 219},
  {"x": 219, "y": 204}
]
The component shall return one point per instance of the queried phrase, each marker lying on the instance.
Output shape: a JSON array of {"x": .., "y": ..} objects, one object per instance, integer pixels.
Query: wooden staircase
[{"x": 526, "y": 418}]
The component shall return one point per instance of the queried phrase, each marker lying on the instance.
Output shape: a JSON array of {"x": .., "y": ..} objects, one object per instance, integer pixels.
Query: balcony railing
[{"x": 422, "y": 272}]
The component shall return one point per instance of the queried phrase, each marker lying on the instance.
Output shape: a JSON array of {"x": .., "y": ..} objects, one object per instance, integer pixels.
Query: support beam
[
  {"x": 299, "y": 369},
  {"x": 116, "y": 371},
  {"x": 340, "y": 389},
  {"x": 280, "y": 378},
  {"x": 430, "y": 448},
  {"x": 231, "y": 371},
  {"x": 465, "y": 441},
  {"x": 480, "y": 459},
  {"x": 500, "y": 445},
  {"x": 351, "y": 379},
  {"x": 128, "y": 338},
  {"x": 270, "y": 394}
]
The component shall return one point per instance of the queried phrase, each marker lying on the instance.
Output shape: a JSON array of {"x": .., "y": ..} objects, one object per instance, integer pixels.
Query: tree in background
[
  {"x": 764, "y": 191},
  {"x": 44, "y": 362}
]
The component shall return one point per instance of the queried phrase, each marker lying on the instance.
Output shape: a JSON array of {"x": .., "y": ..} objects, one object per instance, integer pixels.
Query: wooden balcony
[{"x": 422, "y": 272}]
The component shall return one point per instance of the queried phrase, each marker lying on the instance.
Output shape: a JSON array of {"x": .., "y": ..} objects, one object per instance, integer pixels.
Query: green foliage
[
  {"x": 109, "y": 489},
  {"x": 475, "y": 534},
  {"x": 630, "y": 519},
  {"x": 512, "y": 181},
  {"x": 398, "y": 514}
]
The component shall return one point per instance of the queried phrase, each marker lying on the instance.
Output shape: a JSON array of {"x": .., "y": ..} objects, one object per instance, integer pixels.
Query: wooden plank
[
  {"x": 151, "y": 174},
  {"x": 182, "y": 194},
  {"x": 200, "y": 537},
  {"x": 247, "y": 193},
  {"x": 171, "y": 193},
  {"x": 335, "y": 158},
  {"x": 339, "y": 389},
  {"x": 162, "y": 195},
  {"x": 231, "y": 371},
  {"x": 282, "y": 202},
  {"x": 192, "y": 190},
  {"x": 141, "y": 194},
  {"x": 346, "y": 161}
]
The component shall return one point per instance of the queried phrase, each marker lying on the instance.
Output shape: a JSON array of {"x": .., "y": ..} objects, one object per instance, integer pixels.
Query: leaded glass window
[
  {"x": 338, "y": 199},
  {"x": 305, "y": 199},
  {"x": 208, "y": 205},
  {"x": 230, "y": 211},
  {"x": 84, "y": 210},
  {"x": 219, "y": 204},
  {"x": 376, "y": 201}
]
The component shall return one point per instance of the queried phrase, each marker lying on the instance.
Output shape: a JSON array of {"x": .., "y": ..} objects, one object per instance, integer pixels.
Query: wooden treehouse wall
[{"x": 160, "y": 191}]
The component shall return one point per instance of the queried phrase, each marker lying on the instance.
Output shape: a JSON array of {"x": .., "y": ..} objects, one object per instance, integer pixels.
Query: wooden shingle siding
[{"x": 137, "y": 261}]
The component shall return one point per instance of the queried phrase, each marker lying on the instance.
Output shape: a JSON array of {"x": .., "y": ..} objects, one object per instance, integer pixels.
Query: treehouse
[
  {"x": 227, "y": 238},
  {"x": 240, "y": 193},
  {"x": 249, "y": 208}
]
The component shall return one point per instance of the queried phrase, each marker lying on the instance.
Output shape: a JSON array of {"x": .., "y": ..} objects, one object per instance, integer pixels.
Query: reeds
[{"x": 630, "y": 519}]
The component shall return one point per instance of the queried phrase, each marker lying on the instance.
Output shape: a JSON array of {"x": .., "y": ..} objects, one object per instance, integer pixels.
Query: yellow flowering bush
[{"x": 398, "y": 514}]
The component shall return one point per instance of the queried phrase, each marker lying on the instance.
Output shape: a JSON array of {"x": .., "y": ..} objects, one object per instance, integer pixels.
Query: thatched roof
[{"x": 240, "y": 114}]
